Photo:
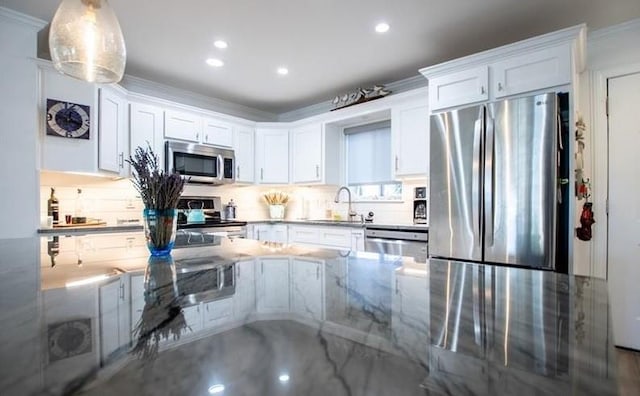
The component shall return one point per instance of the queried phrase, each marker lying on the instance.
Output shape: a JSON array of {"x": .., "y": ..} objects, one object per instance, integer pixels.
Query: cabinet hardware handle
[
  {"x": 261, "y": 173},
  {"x": 121, "y": 159},
  {"x": 262, "y": 268},
  {"x": 197, "y": 136},
  {"x": 207, "y": 307},
  {"x": 198, "y": 309},
  {"x": 396, "y": 162},
  {"x": 482, "y": 91},
  {"x": 238, "y": 171},
  {"x": 317, "y": 271},
  {"x": 317, "y": 170},
  {"x": 206, "y": 138},
  {"x": 122, "y": 290},
  {"x": 396, "y": 285},
  {"x": 499, "y": 86},
  {"x": 238, "y": 271}
]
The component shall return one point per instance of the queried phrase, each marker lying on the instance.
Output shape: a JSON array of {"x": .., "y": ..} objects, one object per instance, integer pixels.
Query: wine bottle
[{"x": 53, "y": 207}]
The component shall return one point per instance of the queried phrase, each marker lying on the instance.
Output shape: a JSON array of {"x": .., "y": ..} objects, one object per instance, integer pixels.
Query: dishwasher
[{"x": 397, "y": 241}]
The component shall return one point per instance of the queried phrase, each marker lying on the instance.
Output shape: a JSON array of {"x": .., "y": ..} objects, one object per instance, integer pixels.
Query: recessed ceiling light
[
  {"x": 215, "y": 62},
  {"x": 217, "y": 388},
  {"x": 283, "y": 378},
  {"x": 382, "y": 27},
  {"x": 220, "y": 44},
  {"x": 283, "y": 71}
]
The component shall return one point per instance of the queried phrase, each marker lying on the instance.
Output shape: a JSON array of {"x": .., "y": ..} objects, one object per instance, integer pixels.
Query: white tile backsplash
[{"x": 110, "y": 200}]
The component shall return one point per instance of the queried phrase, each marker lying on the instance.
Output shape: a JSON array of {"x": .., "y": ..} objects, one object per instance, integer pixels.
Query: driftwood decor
[{"x": 360, "y": 95}]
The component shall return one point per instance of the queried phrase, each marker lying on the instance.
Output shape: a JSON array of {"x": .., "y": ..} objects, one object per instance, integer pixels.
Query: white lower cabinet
[
  {"x": 114, "y": 317},
  {"x": 410, "y": 318},
  {"x": 307, "y": 288},
  {"x": 272, "y": 285},
  {"x": 193, "y": 319},
  {"x": 218, "y": 312},
  {"x": 137, "y": 301},
  {"x": 244, "y": 299},
  {"x": 271, "y": 233},
  {"x": 329, "y": 237}
]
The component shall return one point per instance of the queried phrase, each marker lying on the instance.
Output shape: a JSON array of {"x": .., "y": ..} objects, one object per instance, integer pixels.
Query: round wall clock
[{"x": 67, "y": 119}]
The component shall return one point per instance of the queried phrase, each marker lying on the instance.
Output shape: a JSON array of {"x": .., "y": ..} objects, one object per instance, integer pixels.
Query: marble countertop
[
  {"x": 106, "y": 320},
  {"x": 90, "y": 230},
  {"x": 354, "y": 224}
]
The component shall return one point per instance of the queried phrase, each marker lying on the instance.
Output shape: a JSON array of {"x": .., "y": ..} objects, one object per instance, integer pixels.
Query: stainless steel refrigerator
[{"x": 493, "y": 182}]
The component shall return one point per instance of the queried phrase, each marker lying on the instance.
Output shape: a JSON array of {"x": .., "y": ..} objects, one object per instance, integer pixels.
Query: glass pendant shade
[{"x": 86, "y": 42}]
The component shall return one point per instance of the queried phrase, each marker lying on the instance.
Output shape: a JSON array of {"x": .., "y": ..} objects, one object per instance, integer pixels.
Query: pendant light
[{"x": 86, "y": 42}]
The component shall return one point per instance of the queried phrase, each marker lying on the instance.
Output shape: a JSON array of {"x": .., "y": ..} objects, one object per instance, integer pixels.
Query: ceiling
[{"x": 329, "y": 46}]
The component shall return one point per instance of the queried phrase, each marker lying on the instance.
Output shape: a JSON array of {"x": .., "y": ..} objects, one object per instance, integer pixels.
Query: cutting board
[{"x": 90, "y": 224}]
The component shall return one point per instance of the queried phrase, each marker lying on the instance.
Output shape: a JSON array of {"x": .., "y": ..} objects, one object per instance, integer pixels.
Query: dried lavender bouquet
[{"x": 159, "y": 190}]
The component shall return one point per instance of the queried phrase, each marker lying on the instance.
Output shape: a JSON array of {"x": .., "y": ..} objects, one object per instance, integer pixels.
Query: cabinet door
[
  {"x": 536, "y": 70},
  {"x": 217, "y": 133},
  {"x": 109, "y": 323},
  {"x": 304, "y": 234},
  {"x": 459, "y": 88},
  {"x": 193, "y": 318},
  {"x": 112, "y": 132},
  {"x": 244, "y": 151},
  {"x": 217, "y": 313},
  {"x": 146, "y": 126},
  {"x": 262, "y": 232},
  {"x": 306, "y": 154},
  {"x": 182, "y": 125},
  {"x": 306, "y": 288},
  {"x": 357, "y": 241},
  {"x": 137, "y": 300},
  {"x": 272, "y": 286},
  {"x": 279, "y": 233},
  {"x": 272, "y": 155},
  {"x": 410, "y": 131},
  {"x": 244, "y": 300}
]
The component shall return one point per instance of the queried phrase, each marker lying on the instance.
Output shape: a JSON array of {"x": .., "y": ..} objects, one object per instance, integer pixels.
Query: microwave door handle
[{"x": 220, "y": 167}]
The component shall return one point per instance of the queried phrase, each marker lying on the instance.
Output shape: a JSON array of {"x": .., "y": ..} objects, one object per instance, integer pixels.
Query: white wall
[
  {"x": 19, "y": 127},
  {"x": 611, "y": 52}
]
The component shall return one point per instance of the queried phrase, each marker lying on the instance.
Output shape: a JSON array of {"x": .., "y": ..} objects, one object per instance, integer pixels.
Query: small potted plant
[
  {"x": 277, "y": 202},
  {"x": 160, "y": 192}
]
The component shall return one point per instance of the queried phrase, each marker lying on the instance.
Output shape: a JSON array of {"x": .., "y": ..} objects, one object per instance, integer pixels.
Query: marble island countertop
[{"x": 106, "y": 320}]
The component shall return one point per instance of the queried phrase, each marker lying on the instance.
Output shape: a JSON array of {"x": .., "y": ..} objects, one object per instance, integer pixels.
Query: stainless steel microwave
[{"x": 202, "y": 164}]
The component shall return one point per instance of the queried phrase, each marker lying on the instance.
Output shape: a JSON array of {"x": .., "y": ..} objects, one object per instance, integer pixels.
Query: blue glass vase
[{"x": 160, "y": 230}]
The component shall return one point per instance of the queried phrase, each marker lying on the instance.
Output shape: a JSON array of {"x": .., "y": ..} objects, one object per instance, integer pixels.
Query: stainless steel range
[{"x": 200, "y": 222}]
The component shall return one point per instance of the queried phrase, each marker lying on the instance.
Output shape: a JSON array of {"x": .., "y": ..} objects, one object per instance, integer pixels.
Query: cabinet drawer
[
  {"x": 335, "y": 237},
  {"x": 467, "y": 86},
  {"x": 304, "y": 235},
  {"x": 536, "y": 70}
]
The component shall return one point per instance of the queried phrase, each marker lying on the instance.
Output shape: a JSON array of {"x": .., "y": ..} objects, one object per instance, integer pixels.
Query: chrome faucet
[{"x": 352, "y": 213}]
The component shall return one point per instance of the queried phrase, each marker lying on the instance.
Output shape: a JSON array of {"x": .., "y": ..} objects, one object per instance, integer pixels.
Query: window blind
[{"x": 369, "y": 153}]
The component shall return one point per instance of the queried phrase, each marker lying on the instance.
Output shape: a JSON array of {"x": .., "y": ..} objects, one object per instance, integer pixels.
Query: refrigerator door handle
[
  {"x": 475, "y": 182},
  {"x": 489, "y": 186}
]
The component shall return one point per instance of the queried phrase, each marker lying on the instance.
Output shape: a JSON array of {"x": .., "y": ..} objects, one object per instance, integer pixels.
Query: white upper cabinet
[
  {"x": 272, "y": 156},
  {"x": 244, "y": 148},
  {"x": 306, "y": 154},
  {"x": 182, "y": 125},
  {"x": 315, "y": 154},
  {"x": 113, "y": 141},
  {"x": 455, "y": 89},
  {"x": 540, "y": 63},
  {"x": 410, "y": 139},
  {"x": 549, "y": 67},
  {"x": 217, "y": 133},
  {"x": 146, "y": 127}
]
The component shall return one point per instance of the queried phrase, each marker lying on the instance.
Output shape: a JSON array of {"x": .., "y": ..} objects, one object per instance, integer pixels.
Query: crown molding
[
  {"x": 604, "y": 33},
  {"x": 396, "y": 87},
  {"x": 24, "y": 19},
  {"x": 573, "y": 33},
  {"x": 170, "y": 93}
]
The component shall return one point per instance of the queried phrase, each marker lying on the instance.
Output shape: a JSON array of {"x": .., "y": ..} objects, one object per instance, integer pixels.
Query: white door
[
  {"x": 306, "y": 154},
  {"x": 306, "y": 288},
  {"x": 244, "y": 150},
  {"x": 112, "y": 132},
  {"x": 272, "y": 286},
  {"x": 272, "y": 146},
  {"x": 410, "y": 132},
  {"x": 146, "y": 126},
  {"x": 217, "y": 133},
  {"x": 624, "y": 209}
]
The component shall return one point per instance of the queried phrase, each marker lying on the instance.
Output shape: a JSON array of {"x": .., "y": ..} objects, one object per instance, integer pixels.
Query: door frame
[{"x": 599, "y": 81}]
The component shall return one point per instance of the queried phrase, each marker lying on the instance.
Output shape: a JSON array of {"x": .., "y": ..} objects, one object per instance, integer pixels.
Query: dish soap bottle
[
  {"x": 53, "y": 207},
  {"x": 79, "y": 216}
]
